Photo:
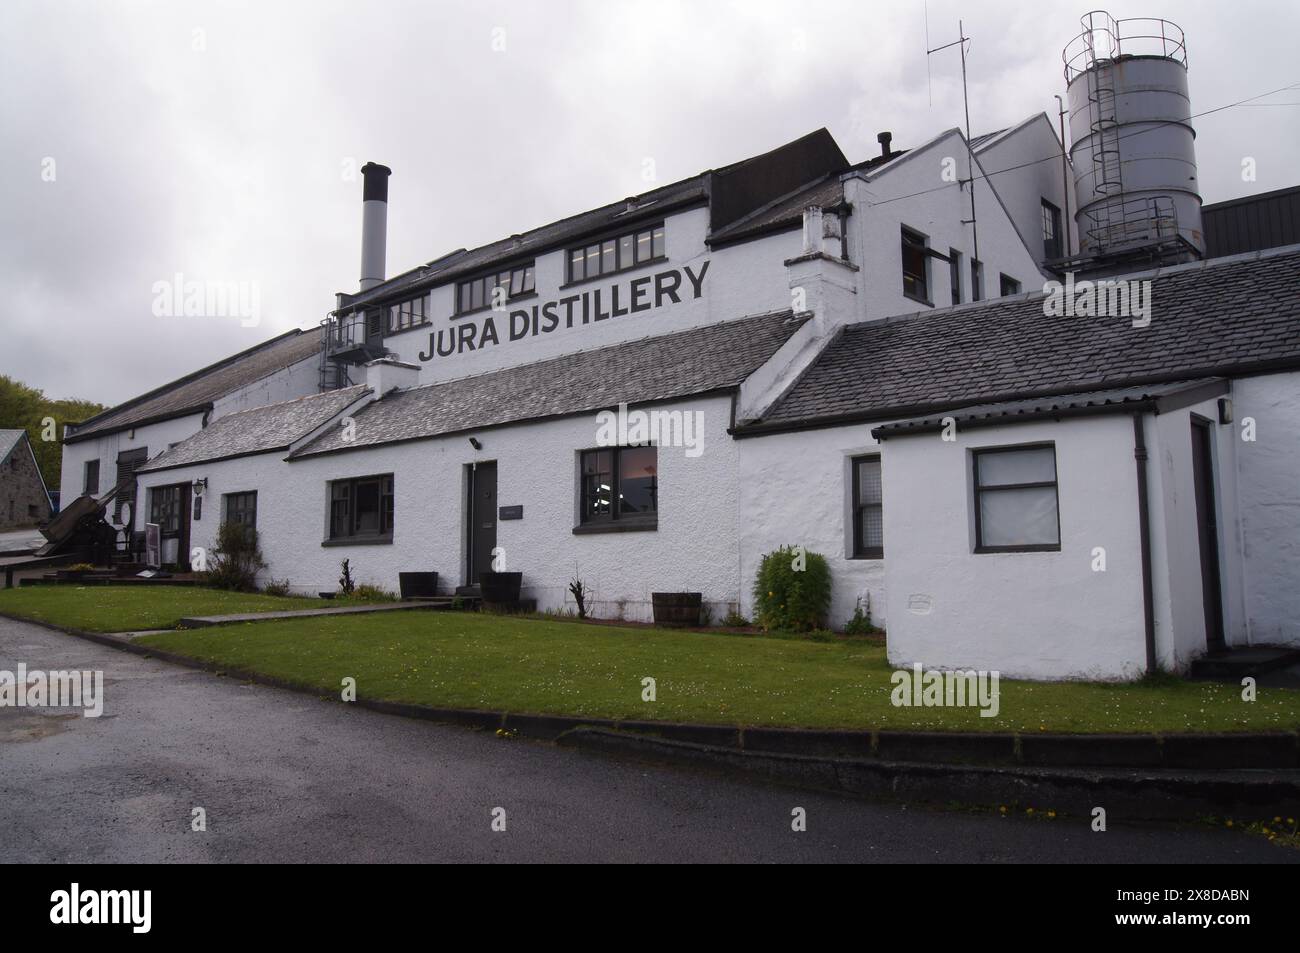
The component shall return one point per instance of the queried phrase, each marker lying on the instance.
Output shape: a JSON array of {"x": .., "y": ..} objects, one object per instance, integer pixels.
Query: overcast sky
[{"x": 214, "y": 140}]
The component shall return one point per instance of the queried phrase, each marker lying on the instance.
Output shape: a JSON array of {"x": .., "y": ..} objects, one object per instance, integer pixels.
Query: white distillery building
[{"x": 838, "y": 357}]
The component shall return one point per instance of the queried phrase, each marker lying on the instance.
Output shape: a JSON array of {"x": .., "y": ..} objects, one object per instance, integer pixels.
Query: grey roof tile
[
  {"x": 1214, "y": 318},
  {"x": 260, "y": 430},
  {"x": 197, "y": 391},
  {"x": 712, "y": 358}
]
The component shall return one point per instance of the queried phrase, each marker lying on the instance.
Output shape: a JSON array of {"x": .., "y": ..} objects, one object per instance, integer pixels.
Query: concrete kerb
[
  {"x": 1279, "y": 750},
  {"x": 1131, "y": 795}
]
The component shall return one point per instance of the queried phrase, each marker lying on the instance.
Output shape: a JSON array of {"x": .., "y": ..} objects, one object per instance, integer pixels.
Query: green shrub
[
  {"x": 274, "y": 588},
  {"x": 792, "y": 590},
  {"x": 861, "y": 623},
  {"x": 364, "y": 592},
  {"x": 734, "y": 620},
  {"x": 234, "y": 563}
]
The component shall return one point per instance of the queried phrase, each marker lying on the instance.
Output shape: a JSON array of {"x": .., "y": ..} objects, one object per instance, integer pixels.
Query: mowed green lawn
[
  {"x": 467, "y": 660},
  {"x": 132, "y": 608}
]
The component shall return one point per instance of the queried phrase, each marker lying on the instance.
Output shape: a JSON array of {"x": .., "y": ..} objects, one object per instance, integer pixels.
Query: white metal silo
[{"x": 1132, "y": 141}]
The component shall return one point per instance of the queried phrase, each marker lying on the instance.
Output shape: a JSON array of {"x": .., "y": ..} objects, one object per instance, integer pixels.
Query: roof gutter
[{"x": 1144, "y": 535}]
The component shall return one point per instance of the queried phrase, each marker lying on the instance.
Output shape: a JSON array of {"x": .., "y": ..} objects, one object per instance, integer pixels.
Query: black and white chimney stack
[{"x": 374, "y": 223}]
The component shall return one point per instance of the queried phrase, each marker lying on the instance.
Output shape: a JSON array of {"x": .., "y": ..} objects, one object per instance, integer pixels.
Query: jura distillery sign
[{"x": 575, "y": 310}]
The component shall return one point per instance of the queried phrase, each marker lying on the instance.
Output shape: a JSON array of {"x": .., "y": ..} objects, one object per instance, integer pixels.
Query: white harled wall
[
  {"x": 795, "y": 488},
  {"x": 1268, "y": 497},
  {"x": 741, "y": 280},
  {"x": 694, "y": 547},
  {"x": 1028, "y": 615}
]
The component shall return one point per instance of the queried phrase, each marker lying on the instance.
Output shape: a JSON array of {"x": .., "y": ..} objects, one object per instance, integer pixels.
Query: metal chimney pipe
[
  {"x": 884, "y": 138},
  {"x": 374, "y": 223}
]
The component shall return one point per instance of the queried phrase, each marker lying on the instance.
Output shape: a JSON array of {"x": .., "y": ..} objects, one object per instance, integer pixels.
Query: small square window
[{"x": 1016, "y": 507}]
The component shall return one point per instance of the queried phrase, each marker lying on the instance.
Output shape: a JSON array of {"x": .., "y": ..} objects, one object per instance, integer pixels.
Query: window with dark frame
[
  {"x": 362, "y": 508},
  {"x": 619, "y": 253},
  {"x": 1007, "y": 285},
  {"x": 868, "y": 516},
  {"x": 954, "y": 274},
  {"x": 976, "y": 280},
  {"x": 619, "y": 484},
  {"x": 165, "y": 509},
  {"x": 1052, "y": 244},
  {"x": 1016, "y": 505},
  {"x": 241, "y": 508},
  {"x": 90, "y": 478},
  {"x": 476, "y": 294},
  {"x": 407, "y": 314},
  {"x": 916, "y": 266}
]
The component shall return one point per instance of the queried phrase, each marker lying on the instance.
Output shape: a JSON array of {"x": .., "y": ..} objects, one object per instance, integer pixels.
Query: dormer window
[
  {"x": 406, "y": 314},
  {"x": 477, "y": 293},
  {"x": 618, "y": 253}
]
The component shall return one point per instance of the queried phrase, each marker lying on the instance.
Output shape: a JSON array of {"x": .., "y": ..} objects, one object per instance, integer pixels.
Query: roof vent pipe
[
  {"x": 813, "y": 230},
  {"x": 374, "y": 223},
  {"x": 885, "y": 138}
]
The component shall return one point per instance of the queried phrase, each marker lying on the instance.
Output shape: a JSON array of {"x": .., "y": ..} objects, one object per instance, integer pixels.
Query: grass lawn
[
  {"x": 466, "y": 660},
  {"x": 131, "y": 608}
]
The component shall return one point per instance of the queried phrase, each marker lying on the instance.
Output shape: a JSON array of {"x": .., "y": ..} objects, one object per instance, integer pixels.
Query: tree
[{"x": 26, "y": 408}]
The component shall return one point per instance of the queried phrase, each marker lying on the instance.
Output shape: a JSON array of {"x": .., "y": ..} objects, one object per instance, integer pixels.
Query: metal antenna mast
[{"x": 961, "y": 42}]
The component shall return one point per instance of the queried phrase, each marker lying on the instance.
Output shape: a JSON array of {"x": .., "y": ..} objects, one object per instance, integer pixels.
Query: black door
[
  {"x": 1207, "y": 524},
  {"x": 482, "y": 518}
]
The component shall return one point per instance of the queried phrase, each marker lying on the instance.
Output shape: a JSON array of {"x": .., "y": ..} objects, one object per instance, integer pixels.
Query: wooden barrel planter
[
  {"x": 677, "y": 609},
  {"x": 500, "y": 590},
  {"x": 417, "y": 585}
]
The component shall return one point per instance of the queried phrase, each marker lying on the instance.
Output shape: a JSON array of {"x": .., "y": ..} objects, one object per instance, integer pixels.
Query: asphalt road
[{"x": 285, "y": 777}]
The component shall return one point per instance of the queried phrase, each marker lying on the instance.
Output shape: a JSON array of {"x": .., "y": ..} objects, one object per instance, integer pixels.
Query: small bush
[
  {"x": 861, "y": 623},
  {"x": 274, "y": 588},
  {"x": 792, "y": 590},
  {"x": 706, "y": 614},
  {"x": 368, "y": 593},
  {"x": 234, "y": 562},
  {"x": 346, "y": 584},
  {"x": 734, "y": 620}
]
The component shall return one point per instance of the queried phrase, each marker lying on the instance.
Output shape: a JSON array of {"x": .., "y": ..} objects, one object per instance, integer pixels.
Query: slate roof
[
  {"x": 8, "y": 440},
  {"x": 784, "y": 212},
  {"x": 260, "y": 430},
  {"x": 700, "y": 360},
  {"x": 1222, "y": 317},
  {"x": 697, "y": 190},
  {"x": 531, "y": 243},
  {"x": 1116, "y": 400},
  {"x": 197, "y": 391}
]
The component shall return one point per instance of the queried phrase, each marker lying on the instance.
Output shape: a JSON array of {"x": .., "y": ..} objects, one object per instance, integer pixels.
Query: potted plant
[
  {"x": 74, "y": 572},
  {"x": 677, "y": 609},
  {"x": 500, "y": 588}
]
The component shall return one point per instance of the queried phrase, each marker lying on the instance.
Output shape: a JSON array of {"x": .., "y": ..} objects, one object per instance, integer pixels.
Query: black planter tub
[
  {"x": 417, "y": 585},
  {"x": 677, "y": 609},
  {"x": 500, "y": 590}
]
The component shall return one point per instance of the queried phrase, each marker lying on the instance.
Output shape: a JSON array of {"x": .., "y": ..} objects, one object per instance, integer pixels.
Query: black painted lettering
[
  {"x": 666, "y": 283},
  {"x": 698, "y": 282},
  {"x": 638, "y": 292}
]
